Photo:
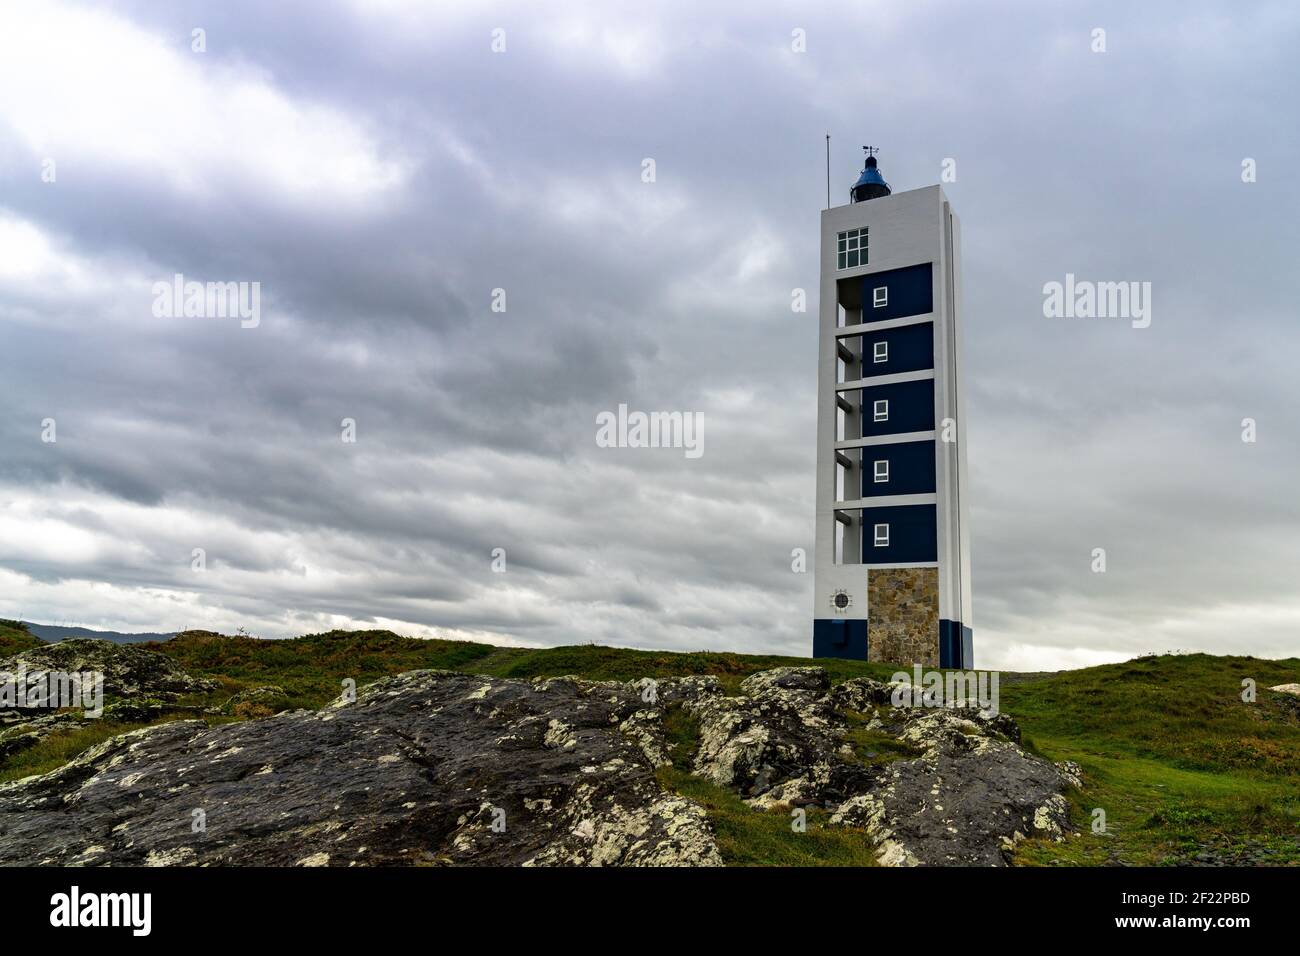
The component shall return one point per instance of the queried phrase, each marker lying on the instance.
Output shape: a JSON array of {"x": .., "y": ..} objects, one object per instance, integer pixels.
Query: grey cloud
[{"x": 476, "y": 429}]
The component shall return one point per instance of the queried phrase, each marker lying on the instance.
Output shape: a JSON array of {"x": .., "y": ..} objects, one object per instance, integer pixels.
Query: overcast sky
[{"x": 379, "y": 169}]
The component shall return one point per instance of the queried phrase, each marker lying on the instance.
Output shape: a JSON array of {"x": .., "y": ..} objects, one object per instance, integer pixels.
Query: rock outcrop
[
  {"x": 428, "y": 767},
  {"x": 778, "y": 742},
  {"x": 137, "y": 687},
  {"x": 436, "y": 767},
  {"x": 970, "y": 795},
  {"x": 256, "y": 701},
  {"x": 128, "y": 671}
]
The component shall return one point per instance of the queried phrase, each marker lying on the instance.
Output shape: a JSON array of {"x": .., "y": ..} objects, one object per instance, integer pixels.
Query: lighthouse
[{"x": 891, "y": 574}]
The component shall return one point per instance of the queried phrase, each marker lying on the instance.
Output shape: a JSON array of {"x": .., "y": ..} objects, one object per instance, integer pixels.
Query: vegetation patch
[
  {"x": 749, "y": 837},
  {"x": 875, "y": 748},
  {"x": 57, "y": 749},
  {"x": 15, "y": 637},
  {"x": 1184, "y": 770}
]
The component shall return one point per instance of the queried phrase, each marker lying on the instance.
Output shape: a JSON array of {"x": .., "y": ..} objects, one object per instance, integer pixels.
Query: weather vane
[{"x": 871, "y": 150}]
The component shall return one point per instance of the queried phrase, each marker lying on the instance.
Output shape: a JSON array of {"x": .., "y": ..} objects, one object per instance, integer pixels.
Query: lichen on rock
[
  {"x": 446, "y": 768},
  {"x": 419, "y": 769}
]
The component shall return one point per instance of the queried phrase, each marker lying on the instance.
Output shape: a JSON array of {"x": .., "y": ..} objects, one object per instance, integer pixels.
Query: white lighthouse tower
[{"x": 892, "y": 562}]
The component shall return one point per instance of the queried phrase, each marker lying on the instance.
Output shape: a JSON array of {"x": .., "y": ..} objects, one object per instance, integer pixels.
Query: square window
[
  {"x": 880, "y": 410},
  {"x": 882, "y": 535},
  {"x": 880, "y": 352},
  {"x": 851, "y": 249},
  {"x": 881, "y": 469},
  {"x": 880, "y": 296}
]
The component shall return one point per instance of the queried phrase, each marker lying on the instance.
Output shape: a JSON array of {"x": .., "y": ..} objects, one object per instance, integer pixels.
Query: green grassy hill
[
  {"x": 1184, "y": 770},
  {"x": 14, "y": 637}
]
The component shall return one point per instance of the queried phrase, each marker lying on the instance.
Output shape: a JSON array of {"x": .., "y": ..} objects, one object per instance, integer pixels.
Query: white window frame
[
  {"x": 880, "y": 296},
  {"x": 851, "y": 249},
  {"x": 880, "y": 535},
  {"x": 879, "y": 352},
  {"x": 880, "y": 410},
  {"x": 880, "y": 475}
]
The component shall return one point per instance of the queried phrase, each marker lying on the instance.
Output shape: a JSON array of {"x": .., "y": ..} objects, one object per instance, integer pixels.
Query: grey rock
[
  {"x": 128, "y": 671},
  {"x": 666, "y": 691},
  {"x": 15, "y": 741},
  {"x": 23, "y": 729},
  {"x": 270, "y": 696},
  {"x": 784, "y": 728},
  {"x": 426, "y": 767},
  {"x": 1071, "y": 773},
  {"x": 971, "y": 796},
  {"x": 433, "y": 767},
  {"x": 861, "y": 694},
  {"x": 136, "y": 710},
  {"x": 138, "y": 687},
  {"x": 814, "y": 680}
]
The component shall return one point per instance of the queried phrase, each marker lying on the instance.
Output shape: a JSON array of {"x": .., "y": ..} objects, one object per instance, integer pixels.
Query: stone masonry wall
[{"x": 903, "y": 616}]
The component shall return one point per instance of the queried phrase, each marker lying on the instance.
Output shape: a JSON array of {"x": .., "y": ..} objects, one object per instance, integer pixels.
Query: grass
[
  {"x": 15, "y": 637},
  {"x": 57, "y": 749},
  {"x": 1173, "y": 756},
  {"x": 1178, "y": 762},
  {"x": 614, "y": 663},
  {"x": 312, "y": 669},
  {"x": 875, "y": 748}
]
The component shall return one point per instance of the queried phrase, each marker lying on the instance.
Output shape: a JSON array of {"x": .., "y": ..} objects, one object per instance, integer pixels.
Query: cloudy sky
[{"x": 380, "y": 170}]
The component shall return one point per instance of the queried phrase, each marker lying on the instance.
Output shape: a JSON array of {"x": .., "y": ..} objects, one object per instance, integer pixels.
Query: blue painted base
[
  {"x": 836, "y": 637},
  {"x": 845, "y": 639}
]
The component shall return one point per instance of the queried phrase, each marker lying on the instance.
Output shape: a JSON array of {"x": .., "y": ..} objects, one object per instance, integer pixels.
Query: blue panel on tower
[
  {"x": 911, "y": 533},
  {"x": 896, "y": 293},
  {"x": 909, "y": 407},
  {"x": 909, "y": 467},
  {"x": 955, "y": 645},
  {"x": 909, "y": 348},
  {"x": 837, "y": 637}
]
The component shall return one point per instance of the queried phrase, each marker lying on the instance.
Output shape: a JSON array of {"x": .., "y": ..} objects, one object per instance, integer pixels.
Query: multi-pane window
[
  {"x": 880, "y": 296},
  {"x": 852, "y": 248},
  {"x": 881, "y": 470},
  {"x": 882, "y": 535},
  {"x": 880, "y": 352},
  {"x": 880, "y": 410}
]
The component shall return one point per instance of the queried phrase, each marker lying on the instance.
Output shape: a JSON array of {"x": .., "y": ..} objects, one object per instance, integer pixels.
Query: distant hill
[{"x": 56, "y": 632}]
